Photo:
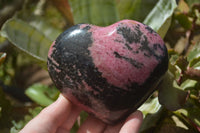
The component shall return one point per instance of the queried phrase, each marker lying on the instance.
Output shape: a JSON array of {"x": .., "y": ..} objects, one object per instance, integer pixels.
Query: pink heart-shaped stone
[{"x": 108, "y": 71}]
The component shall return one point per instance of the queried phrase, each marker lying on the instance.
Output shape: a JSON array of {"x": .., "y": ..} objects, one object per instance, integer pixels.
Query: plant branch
[
  {"x": 186, "y": 121},
  {"x": 192, "y": 73}
]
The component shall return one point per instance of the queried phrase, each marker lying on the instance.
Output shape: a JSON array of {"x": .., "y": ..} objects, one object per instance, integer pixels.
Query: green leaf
[
  {"x": 170, "y": 94},
  {"x": 197, "y": 65},
  {"x": 159, "y": 18},
  {"x": 150, "y": 106},
  {"x": 17, "y": 126},
  {"x": 194, "y": 62},
  {"x": 173, "y": 68},
  {"x": 150, "y": 121},
  {"x": 41, "y": 94},
  {"x": 184, "y": 20},
  {"x": 45, "y": 28},
  {"x": 194, "y": 55},
  {"x": 97, "y": 12},
  {"x": 134, "y": 9},
  {"x": 188, "y": 84},
  {"x": 129, "y": 9},
  {"x": 152, "y": 112},
  {"x": 27, "y": 38},
  {"x": 106, "y": 12}
]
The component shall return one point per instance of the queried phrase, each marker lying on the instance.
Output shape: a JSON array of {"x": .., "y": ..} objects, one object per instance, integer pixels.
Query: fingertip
[
  {"x": 132, "y": 123},
  {"x": 61, "y": 97},
  {"x": 59, "y": 110},
  {"x": 137, "y": 114},
  {"x": 136, "y": 117},
  {"x": 92, "y": 125}
]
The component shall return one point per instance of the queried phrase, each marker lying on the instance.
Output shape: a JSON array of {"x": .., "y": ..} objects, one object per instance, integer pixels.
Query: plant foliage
[{"x": 31, "y": 30}]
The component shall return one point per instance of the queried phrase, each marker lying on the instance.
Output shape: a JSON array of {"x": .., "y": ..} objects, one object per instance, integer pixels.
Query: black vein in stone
[{"x": 131, "y": 61}]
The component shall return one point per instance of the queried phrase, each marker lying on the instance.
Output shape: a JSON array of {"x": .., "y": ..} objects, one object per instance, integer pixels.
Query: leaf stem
[{"x": 186, "y": 121}]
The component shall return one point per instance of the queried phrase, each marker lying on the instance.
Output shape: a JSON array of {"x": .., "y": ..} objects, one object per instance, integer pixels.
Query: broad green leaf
[
  {"x": 40, "y": 23},
  {"x": 188, "y": 84},
  {"x": 194, "y": 55},
  {"x": 197, "y": 65},
  {"x": 39, "y": 94},
  {"x": 194, "y": 63},
  {"x": 159, "y": 18},
  {"x": 97, "y": 12},
  {"x": 27, "y": 38},
  {"x": 183, "y": 20},
  {"x": 42, "y": 26},
  {"x": 103, "y": 12},
  {"x": 151, "y": 106},
  {"x": 170, "y": 94},
  {"x": 106, "y": 12},
  {"x": 47, "y": 23},
  {"x": 152, "y": 112},
  {"x": 145, "y": 8},
  {"x": 129, "y": 9},
  {"x": 80, "y": 11},
  {"x": 134, "y": 9}
]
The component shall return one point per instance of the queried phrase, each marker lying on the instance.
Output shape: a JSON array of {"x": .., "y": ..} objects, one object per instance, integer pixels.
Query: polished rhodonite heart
[{"x": 108, "y": 71}]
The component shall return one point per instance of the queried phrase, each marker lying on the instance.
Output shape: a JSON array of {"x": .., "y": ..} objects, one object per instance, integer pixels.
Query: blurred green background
[{"x": 28, "y": 27}]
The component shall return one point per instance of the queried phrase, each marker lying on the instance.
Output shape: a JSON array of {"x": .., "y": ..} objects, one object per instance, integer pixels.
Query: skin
[{"x": 61, "y": 115}]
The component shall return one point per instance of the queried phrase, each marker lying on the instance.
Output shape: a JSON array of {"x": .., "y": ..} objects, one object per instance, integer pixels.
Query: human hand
[{"x": 60, "y": 116}]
